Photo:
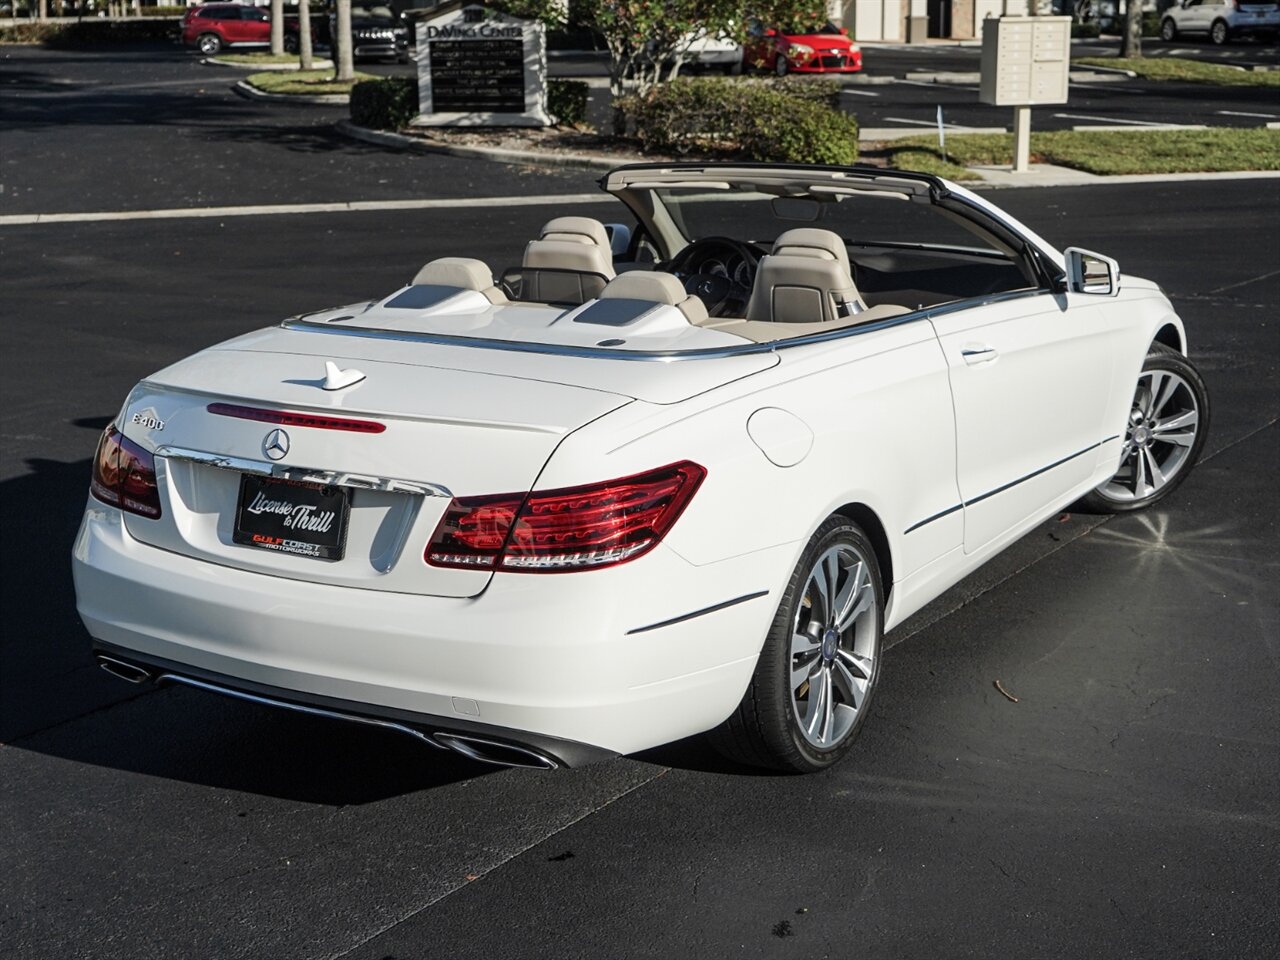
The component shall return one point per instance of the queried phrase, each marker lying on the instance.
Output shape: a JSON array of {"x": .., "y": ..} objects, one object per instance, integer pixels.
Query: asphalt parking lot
[{"x": 1125, "y": 806}]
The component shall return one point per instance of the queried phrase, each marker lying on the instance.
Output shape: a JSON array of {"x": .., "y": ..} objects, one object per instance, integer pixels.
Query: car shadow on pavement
[{"x": 54, "y": 700}]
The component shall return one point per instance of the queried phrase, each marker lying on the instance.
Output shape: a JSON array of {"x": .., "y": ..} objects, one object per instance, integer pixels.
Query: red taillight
[
  {"x": 288, "y": 418},
  {"x": 576, "y": 528},
  {"x": 124, "y": 475}
]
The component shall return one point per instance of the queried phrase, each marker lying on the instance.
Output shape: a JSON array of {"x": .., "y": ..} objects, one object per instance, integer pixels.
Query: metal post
[{"x": 1021, "y": 139}]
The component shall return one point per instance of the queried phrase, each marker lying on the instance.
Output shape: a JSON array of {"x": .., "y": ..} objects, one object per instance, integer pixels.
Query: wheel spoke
[
  {"x": 849, "y": 686},
  {"x": 1148, "y": 397},
  {"x": 818, "y": 579},
  {"x": 851, "y": 597},
  {"x": 828, "y": 706},
  {"x": 831, "y": 570},
  {"x": 818, "y": 694},
  {"x": 803, "y": 643},
  {"x": 804, "y": 670},
  {"x": 1157, "y": 478},
  {"x": 1165, "y": 394}
]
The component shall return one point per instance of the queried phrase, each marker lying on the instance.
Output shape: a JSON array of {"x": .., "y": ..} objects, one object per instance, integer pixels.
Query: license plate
[{"x": 288, "y": 516}]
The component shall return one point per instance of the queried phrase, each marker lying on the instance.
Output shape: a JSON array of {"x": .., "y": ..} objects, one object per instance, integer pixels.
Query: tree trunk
[
  {"x": 42, "y": 11},
  {"x": 277, "y": 27},
  {"x": 342, "y": 55},
  {"x": 305, "y": 59},
  {"x": 1131, "y": 42}
]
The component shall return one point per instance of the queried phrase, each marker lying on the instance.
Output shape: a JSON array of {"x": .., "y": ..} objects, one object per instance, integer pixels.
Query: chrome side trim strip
[
  {"x": 1011, "y": 483},
  {"x": 335, "y": 478},
  {"x": 698, "y": 613},
  {"x": 704, "y": 353},
  {"x": 300, "y": 708}
]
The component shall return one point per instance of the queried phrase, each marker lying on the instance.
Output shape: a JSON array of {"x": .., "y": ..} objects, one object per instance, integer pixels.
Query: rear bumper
[{"x": 611, "y": 661}]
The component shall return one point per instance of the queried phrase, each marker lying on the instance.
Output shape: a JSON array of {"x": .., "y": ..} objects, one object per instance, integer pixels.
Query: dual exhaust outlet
[{"x": 472, "y": 747}]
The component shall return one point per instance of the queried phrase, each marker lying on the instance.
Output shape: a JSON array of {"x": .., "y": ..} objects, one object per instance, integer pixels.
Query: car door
[
  {"x": 254, "y": 26},
  {"x": 1194, "y": 16},
  {"x": 1031, "y": 378}
]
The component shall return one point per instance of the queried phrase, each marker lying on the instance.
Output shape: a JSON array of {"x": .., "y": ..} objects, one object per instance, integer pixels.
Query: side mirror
[
  {"x": 1093, "y": 273},
  {"x": 619, "y": 238},
  {"x": 771, "y": 32}
]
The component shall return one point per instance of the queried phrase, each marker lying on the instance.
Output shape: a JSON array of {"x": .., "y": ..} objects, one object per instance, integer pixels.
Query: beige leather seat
[
  {"x": 654, "y": 286},
  {"x": 462, "y": 273},
  {"x": 807, "y": 279},
  {"x": 570, "y": 262}
]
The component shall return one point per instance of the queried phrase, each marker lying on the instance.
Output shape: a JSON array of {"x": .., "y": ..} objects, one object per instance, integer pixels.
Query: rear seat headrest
[
  {"x": 655, "y": 286},
  {"x": 812, "y": 242},
  {"x": 651, "y": 285},
  {"x": 461, "y": 272}
]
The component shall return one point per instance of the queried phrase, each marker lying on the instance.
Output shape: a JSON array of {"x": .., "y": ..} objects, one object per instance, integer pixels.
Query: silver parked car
[{"x": 1221, "y": 19}]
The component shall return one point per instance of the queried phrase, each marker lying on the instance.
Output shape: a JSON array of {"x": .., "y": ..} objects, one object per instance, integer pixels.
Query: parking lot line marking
[
  {"x": 859, "y": 93},
  {"x": 1245, "y": 283},
  {"x": 927, "y": 123},
  {"x": 1260, "y": 116},
  {"x": 1085, "y": 116},
  {"x": 284, "y": 209}
]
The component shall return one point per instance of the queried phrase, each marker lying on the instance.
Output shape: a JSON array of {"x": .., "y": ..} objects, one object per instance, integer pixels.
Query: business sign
[{"x": 481, "y": 68}]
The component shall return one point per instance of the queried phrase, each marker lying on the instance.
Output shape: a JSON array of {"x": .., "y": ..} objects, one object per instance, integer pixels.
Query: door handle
[{"x": 976, "y": 353}]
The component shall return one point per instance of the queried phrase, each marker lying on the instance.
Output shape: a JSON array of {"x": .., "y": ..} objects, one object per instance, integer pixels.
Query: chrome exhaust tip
[
  {"x": 125, "y": 671},
  {"x": 492, "y": 751}
]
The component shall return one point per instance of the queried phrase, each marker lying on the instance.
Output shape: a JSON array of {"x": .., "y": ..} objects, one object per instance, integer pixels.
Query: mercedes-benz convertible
[{"x": 672, "y": 475}]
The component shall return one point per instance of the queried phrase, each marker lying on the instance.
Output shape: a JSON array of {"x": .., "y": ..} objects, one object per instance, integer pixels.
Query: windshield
[
  {"x": 802, "y": 29},
  {"x": 858, "y": 218}
]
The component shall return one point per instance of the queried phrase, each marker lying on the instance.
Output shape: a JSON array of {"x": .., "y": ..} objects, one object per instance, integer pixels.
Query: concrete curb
[
  {"x": 250, "y": 92},
  {"x": 264, "y": 67},
  {"x": 1045, "y": 176},
  {"x": 570, "y": 161},
  {"x": 1113, "y": 70}
]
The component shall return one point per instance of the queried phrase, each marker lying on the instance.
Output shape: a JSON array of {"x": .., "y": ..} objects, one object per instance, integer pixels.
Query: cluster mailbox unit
[{"x": 1025, "y": 63}]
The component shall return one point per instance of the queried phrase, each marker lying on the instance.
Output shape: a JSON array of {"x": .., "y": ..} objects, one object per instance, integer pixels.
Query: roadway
[{"x": 1125, "y": 806}]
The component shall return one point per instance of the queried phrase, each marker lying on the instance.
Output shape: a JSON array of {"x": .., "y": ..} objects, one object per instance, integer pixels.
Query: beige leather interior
[
  {"x": 463, "y": 273},
  {"x": 656, "y": 287},
  {"x": 807, "y": 279},
  {"x": 570, "y": 262}
]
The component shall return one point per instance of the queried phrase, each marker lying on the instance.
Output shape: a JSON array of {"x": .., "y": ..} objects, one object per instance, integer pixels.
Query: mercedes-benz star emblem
[{"x": 276, "y": 445}]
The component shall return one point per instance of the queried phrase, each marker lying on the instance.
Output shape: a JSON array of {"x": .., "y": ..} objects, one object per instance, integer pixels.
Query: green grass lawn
[
  {"x": 1104, "y": 152},
  {"x": 250, "y": 59},
  {"x": 302, "y": 82},
  {"x": 1175, "y": 68}
]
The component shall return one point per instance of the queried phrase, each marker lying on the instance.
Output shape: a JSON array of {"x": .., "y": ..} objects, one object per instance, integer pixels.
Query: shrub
[
  {"x": 163, "y": 11},
  {"x": 30, "y": 32},
  {"x": 387, "y": 103},
  {"x": 567, "y": 102},
  {"x": 754, "y": 121}
]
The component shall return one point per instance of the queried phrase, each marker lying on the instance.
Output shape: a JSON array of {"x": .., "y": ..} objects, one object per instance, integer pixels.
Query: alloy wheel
[{"x": 1159, "y": 436}]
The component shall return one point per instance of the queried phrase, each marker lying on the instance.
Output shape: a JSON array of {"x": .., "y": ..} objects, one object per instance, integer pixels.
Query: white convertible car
[{"x": 662, "y": 478}]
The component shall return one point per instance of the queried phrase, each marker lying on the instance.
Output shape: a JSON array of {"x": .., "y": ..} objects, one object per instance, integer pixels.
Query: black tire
[
  {"x": 209, "y": 44},
  {"x": 766, "y": 730},
  {"x": 1168, "y": 30},
  {"x": 290, "y": 43},
  {"x": 1219, "y": 33},
  {"x": 1143, "y": 445},
  {"x": 780, "y": 65}
]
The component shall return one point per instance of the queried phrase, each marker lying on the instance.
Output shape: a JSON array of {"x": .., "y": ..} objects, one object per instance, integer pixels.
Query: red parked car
[
  {"x": 212, "y": 26},
  {"x": 802, "y": 50}
]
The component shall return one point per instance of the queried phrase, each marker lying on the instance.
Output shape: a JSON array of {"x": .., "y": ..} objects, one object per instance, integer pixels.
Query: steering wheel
[{"x": 719, "y": 271}]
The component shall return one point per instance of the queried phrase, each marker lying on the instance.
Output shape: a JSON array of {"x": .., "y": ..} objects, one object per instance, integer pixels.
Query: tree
[
  {"x": 305, "y": 58},
  {"x": 343, "y": 58},
  {"x": 1131, "y": 42},
  {"x": 648, "y": 39},
  {"x": 277, "y": 27}
]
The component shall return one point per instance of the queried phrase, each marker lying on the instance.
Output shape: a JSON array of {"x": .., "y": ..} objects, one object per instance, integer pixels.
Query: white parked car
[
  {"x": 659, "y": 480},
  {"x": 1220, "y": 19}
]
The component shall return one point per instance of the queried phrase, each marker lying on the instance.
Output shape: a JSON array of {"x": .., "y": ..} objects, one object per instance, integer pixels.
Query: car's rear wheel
[
  {"x": 1219, "y": 33},
  {"x": 813, "y": 683},
  {"x": 290, "y": 43},
  {"x": 1164, "y": 434},
  {"x": 1168, "y": 30},
  {"x": 780, "y": 65},
  {"x": 209, "y": 43}
]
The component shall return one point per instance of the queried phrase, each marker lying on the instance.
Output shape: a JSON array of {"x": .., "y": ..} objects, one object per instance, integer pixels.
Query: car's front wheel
[
  {"x": 780, "y": 65},
  {"x": 1164, "y": 434},
  {"x": 209, "y": 44},
  {"x": 813, "y": 683},
  {"x": 1219, "y": 33},
  {"x": 1168, "y": 30}
]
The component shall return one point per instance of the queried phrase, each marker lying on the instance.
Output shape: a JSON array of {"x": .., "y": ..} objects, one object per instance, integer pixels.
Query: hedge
[
  {"x": 390, "y": 103},
  {"x": 752, "y": 121},
  {"x": 89, "y": 33}
]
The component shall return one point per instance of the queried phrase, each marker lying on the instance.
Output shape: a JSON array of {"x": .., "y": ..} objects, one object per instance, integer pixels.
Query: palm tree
[
  {"x": 345, "y": 63},
  {"x": 305, "y": 60},
  {"x": 277, "y": 27}
]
